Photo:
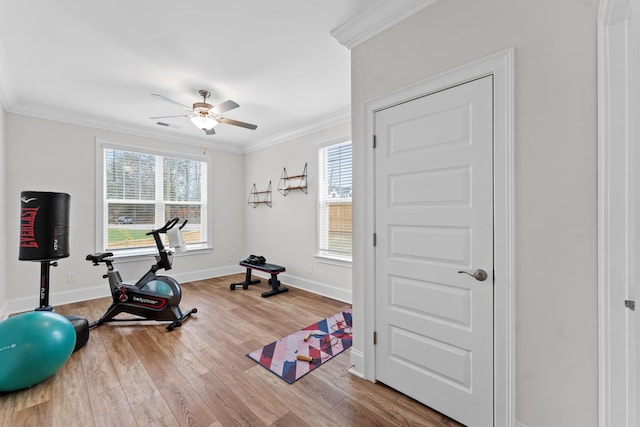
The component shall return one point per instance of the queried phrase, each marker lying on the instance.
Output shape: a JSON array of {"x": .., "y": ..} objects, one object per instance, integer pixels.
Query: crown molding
[
  {"x": 335, "y": 119},
  {"x": 72, "y": 118},
  {"x": 116, "y": 126},
  {"x": 376, "y": 19}
]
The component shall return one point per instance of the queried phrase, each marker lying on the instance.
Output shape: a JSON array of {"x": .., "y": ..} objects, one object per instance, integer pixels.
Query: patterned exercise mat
[{"x": 320, "y": 342}]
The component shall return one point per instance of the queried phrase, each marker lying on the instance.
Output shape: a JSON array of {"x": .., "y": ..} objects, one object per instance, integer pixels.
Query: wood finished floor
[{"x": 198, "y": 375}]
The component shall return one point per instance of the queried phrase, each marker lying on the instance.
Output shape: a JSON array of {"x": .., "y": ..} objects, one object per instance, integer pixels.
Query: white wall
[
  {"x": 44, "y": 155},
  {"x": 285, "y": 234},
  {"x": 555, "y": 169},
  {"x": 3, "y": 210}
]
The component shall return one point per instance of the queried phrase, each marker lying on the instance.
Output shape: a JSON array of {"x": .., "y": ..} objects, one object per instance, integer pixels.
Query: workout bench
[{"x": 272, "y": 269}]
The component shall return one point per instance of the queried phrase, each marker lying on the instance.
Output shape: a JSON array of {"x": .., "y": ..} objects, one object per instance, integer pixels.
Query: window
[
  {"x": 334, "y": 201},
  {"x": 142, "y": 191}
]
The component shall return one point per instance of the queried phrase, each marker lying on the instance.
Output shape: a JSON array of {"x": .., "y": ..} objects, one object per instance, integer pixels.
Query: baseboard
[
  {"x": 208, "y": 273},
  {"x": 4, "y": 311},
  {"x": 357, "y": 362},
  {"x": 19, "y": 305},
  {"x": 519, "y": 424},
  {"x": 319, "y": 288}
]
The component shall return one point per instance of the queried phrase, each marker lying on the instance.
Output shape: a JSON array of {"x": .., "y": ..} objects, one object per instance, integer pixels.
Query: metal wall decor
[
  {"x": 259, "y": 197},
  {"x": 295, "y": 182}
]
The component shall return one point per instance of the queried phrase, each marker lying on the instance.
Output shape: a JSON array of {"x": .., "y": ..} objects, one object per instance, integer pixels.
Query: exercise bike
[{"x": 153, "y": 297}]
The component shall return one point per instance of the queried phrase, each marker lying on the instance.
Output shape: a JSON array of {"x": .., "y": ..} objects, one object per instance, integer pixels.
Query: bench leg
[
  {"x": 275, "y": 287},
  {"x": 247, "y": 281}
]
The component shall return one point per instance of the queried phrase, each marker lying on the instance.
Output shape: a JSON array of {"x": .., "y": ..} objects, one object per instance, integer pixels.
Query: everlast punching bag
[
  {"x": 44, "y": 226},
  {"x": 44, "y": 237}
]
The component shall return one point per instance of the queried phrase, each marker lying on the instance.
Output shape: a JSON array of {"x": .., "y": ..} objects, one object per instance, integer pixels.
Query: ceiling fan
[{"x": 204, "y": 115}]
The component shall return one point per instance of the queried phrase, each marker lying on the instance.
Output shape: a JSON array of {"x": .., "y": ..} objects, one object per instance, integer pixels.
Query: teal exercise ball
[
  {"x": 33, "y": 346},
  {"x": 158, "y": 287}
]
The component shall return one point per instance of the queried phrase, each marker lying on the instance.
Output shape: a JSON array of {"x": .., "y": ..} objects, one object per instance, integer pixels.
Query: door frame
[
  {"x": 500, "y": 65},
  {"x": 617, "y": 209}
]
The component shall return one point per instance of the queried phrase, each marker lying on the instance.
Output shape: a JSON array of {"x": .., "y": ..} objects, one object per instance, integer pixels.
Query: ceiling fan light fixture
[
  {"x": 204, "y": 122},
  {"x": 205, "y": 116}
]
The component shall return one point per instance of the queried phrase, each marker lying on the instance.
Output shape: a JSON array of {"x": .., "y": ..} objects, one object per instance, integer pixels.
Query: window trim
[
  {"x": 323, "y": 256},
  {"x": 139, "y": 253}
]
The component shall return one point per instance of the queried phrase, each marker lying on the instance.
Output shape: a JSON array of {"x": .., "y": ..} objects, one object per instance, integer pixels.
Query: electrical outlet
[
  {"x": 229, "y": 256},
  {"x": 310, "y": 268},
  {"x": 71, "y": 277}
]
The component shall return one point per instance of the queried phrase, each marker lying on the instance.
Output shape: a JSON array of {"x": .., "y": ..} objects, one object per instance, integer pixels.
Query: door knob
[{"x": 480, "y": 275}]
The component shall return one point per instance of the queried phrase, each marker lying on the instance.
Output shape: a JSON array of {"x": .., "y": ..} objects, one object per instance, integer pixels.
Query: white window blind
[
  {"x": 143, "y": 191},
  {"x": 334, "y": 200}
]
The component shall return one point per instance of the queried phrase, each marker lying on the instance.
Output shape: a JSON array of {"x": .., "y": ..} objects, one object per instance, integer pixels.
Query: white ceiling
[{"x": 97, "y": 62}]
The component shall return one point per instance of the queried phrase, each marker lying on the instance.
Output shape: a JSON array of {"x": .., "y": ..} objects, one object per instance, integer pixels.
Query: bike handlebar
[
  {"x": 164, "y": 262},
  {"x": 168, "y": 226}
]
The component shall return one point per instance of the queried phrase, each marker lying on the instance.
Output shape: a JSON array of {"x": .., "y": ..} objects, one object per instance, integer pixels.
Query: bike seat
[{"x": 98, "y": 256}]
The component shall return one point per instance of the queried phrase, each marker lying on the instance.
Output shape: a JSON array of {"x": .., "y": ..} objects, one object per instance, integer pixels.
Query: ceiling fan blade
[
  {"x": 237, "y": 123},
  {"x": 211, "y": 131},
  {"x": 225, "y": 106},
  {"x": 169, "y": 125},
  {"x": 164, "y": 98},
  {"x": 168, "y": 117}
]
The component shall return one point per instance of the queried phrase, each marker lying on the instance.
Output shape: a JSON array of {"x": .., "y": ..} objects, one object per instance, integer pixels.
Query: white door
[
  {"x": 434, "y": 220},
  {"x": 619, "y": 213}
]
